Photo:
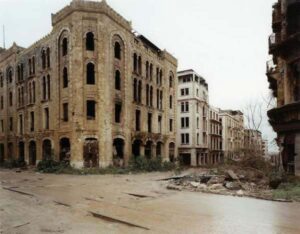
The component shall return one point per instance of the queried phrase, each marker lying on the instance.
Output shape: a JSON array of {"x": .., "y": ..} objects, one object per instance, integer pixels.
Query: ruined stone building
[
  {"x": 215, "y": 136},
  {"x": 253, "y": 142},
  {"x": 192, "y": 122},
  {"x": 91, "y": 91},
  {"x": 283, "y": 73},
  {"x": 232, "y": 133},
  {"x": 265, "y": 149}
]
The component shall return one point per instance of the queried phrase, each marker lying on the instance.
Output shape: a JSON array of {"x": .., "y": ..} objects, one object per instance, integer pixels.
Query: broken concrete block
[
  {"x": 194, "y": 184},
  {"x": 216, "y": 187},
  {"x": 232, "y": 185},
  {"x": 174, "y": 187},
  {"x": 240, "y": 193},
  {"x": 232, "y": 175},
  {"x": 216, "y": 180}
]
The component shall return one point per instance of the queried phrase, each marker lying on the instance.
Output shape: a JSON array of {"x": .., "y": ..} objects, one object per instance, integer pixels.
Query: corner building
[{"x": 91, "y": 91}]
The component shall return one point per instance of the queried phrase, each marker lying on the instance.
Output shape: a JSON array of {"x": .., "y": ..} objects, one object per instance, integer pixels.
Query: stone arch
[
  {"x": 64, "y": 149},
  {"x": 47, "y": 149},
  {"x": 32, "y": 153},
  {"x": 159, "y": 147},
  {"x": 136, "y": 147},
  {"x": 63, "y": 42},
  {"x": 172, "y": 151},
  {"x": 10, "y": 150},
  {"x": 90, "y": 73},
  {"x": 148, "y": 149},
  {"x": 118, "y": 47},
  {"x": 91, "y": 152},
  {"x": 118, "y": 151},
  {"x": 90, "y": 41},
  {"x": 1, "y": 152},
  {"x": 21, "y": 151}
]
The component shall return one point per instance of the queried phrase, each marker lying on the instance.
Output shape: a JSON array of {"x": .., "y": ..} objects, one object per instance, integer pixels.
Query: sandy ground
[{"x": 38, "y": 203}]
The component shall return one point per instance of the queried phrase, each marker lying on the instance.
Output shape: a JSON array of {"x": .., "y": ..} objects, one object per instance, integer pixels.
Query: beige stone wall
[{"x": 73, "y": 23}]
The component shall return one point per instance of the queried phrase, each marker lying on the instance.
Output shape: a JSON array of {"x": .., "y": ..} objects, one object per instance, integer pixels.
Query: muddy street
[{"x": 37, "y": 203}]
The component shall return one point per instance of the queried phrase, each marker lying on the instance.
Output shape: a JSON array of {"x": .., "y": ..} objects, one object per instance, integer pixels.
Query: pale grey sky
[{"x": 224, "y": 41}]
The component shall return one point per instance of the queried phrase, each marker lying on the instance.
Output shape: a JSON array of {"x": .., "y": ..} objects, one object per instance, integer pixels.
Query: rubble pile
[{"x": 241, "y": 182}]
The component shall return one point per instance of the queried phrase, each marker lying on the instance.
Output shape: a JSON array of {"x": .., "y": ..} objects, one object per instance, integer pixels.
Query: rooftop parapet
[{"x": 93, "y": 7}]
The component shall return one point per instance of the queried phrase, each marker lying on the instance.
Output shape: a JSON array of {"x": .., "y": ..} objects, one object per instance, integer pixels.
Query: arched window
[
  {"x": 1, "y": 80},
  {"x": 151, "y": 71},
  {"x": 33, "y": 65},
  {"x": 117, "y": 50},
  {"x": 118, "y": 80},
  {"x": 33, "y": 91},
  {"x": 65, "y": 46},
  {"x": 90, "y": 73},
  {"x": 65, "y": 78},
  {"x": 89, "y": 42},
  {"x": 43, "y": 59},
  {"x": 48, "y": 57}
]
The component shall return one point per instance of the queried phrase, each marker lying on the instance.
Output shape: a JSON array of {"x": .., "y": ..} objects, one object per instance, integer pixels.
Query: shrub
[
  {"x": 143, "y": 164},
  {"x": 13, "y": 163}
]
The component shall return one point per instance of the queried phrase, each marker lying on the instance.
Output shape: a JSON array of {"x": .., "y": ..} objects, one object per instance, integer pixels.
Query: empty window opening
[
  {"x": 90, "y": 43},
  {"x": 65, "y": 78},
  {"x": 47, "y": 150},
  {"x": 159, "y": 149},
  {"x": 91, "y": 153},
  {"x": 138, "y": 120},
  {"x": 136, "y": 148},
  {"x": 46, "y": 114},
  {"x": 135, "y": 96},
  {"x": 118, "y": 80},
  {"x": 117, "y": 50},
  {"x": 148, "y": 149},
  {"x": 65, "y": 112},
  {"x": 21, "y": 151},
  {"x": 91, "y": 110},
  {"x": 65, "y": 47},
  {"x": 65, "y": 150},
  {"x": 31, "y": 121},
  {"x": 135, "y": 62},
  {"x": 32, "y": 153},
  {"x": 149, "y": 122},
  {"x": 118, "y": 152},
  {"x": 90, "y": 73},
  {"x": 118, "y": 112},
  {"x": 140, "y": 92},
  {"x": 43, "y": 59},
  {"x": 172, "y": 152},
  {"x": 159, "y": 123},
  {"x": 48, "y": 57}
]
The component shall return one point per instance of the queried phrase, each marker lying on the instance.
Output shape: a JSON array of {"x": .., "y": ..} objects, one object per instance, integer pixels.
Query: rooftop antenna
[{"x": 3, "y": 36}]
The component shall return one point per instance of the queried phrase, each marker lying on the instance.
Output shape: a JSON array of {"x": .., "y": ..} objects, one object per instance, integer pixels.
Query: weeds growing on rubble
[{"x": 136, "y": 165}]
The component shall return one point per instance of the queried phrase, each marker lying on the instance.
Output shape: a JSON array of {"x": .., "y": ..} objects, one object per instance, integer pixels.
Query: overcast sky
[{"x": 224, "y": 41}]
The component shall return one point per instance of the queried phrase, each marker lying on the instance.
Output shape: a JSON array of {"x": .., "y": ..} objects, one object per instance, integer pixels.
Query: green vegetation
[
  {"x": 290, "y": 189},
  {"x": 136, "y": 165},
  {"x": 12, "y": 163}
]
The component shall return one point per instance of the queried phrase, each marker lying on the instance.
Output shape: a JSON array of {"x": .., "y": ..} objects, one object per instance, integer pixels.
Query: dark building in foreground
[{"x": 283, "y": 73}]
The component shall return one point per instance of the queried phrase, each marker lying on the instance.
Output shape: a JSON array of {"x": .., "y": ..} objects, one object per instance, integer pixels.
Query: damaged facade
[
  {"x": 283, "y": 73},
  {"x": 91, "y": 92}
]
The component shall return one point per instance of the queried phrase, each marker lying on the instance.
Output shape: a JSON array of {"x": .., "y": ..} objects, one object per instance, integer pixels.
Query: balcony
[{"x": 285, "y": 118}]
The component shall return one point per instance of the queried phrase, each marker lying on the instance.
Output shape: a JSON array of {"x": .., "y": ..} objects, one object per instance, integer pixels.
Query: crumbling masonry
[{"x": 92, "y": 92}]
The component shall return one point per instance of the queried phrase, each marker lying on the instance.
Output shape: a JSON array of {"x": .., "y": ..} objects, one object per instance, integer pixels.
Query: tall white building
[{"x": 192, "y": 122}]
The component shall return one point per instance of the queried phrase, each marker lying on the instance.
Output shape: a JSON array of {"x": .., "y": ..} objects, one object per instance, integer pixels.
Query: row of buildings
[
  {"x": 209, "y": 135},
  {"x": 96, "y": 93}
]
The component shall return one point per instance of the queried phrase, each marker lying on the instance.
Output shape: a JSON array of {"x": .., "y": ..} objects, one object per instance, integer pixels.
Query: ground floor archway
[
  {"x": 21, "y": 152},
  {"x": 118, "y": 152},
  {"x": 172, "y": 152},
  {"x": 159, "y": 146},
  {"x": 91, "y": 153},
  {"x": 65, "y": 150},
  {"x": 47, "y": 150},
  {"x": 148, "y": 149},
  {"x": 136, "y": 148},
  {"x": 32, "y": 153},
  {"x": 10, "y": 150}
]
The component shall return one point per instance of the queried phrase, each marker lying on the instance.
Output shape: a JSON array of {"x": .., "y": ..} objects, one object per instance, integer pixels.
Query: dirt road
[{"x": 37, "y": 203}]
